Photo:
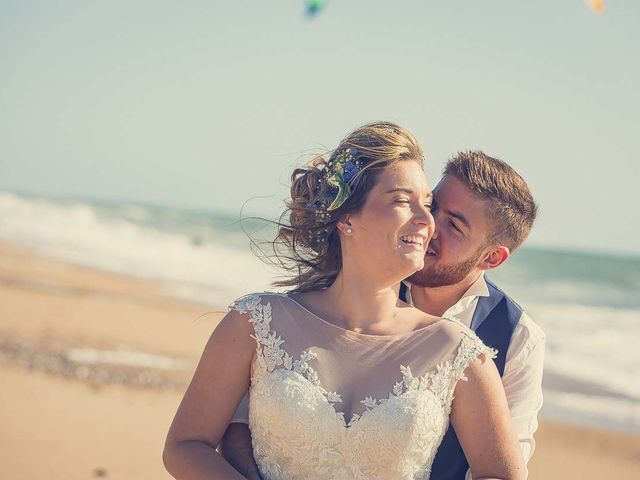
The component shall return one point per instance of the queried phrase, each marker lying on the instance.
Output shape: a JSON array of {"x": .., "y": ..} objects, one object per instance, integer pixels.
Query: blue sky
[{"x": 210, "y": 103}]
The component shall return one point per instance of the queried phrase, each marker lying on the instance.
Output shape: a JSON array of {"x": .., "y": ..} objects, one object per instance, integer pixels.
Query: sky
[{"x": 208, "y": 104}]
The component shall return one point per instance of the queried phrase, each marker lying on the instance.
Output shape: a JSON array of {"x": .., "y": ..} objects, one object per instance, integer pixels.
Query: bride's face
[{"x": 389, "y": 236}]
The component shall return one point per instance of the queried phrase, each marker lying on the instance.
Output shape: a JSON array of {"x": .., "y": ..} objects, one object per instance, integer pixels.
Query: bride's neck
[{"x": 361, "y": 303}]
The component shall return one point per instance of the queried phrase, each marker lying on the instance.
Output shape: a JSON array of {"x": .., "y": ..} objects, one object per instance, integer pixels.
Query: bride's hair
[{"x": 307, "y": 245}]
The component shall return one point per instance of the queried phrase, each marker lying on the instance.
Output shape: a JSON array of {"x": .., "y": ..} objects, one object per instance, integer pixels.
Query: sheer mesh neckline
[{"x": 393, "y": 336}]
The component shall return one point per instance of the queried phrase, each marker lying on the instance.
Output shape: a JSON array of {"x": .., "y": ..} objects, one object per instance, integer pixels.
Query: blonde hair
[{"x": 307, "y": 245}]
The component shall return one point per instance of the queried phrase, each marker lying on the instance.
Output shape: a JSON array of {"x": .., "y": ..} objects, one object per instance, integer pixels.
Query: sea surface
[{"x": 587, "y": 304}]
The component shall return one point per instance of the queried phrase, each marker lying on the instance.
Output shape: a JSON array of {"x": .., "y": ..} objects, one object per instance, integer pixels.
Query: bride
[{"x": 345, "y": 380}]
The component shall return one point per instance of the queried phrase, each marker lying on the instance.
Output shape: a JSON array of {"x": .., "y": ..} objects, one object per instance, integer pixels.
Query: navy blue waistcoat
[{"x": 494, "y": 321}]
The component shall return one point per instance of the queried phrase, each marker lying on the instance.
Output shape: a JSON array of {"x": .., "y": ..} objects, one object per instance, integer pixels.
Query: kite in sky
[
  {"x": 314, "y": 7},
  {"x": 596, "y": 6}
]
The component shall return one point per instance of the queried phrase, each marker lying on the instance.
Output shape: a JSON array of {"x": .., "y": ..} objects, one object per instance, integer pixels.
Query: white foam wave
[
  {"x": 75, "y": 233},
  {"x": 595, "y": 345}
]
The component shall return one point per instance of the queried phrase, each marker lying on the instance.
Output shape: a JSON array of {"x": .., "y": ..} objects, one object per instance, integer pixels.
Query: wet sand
[{"x": 66, "y": 418}]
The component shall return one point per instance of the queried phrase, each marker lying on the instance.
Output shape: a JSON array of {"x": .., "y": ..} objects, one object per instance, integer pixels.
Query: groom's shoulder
[
  {"x": 495, "y": 289},
  {"x": 526, "y": 326}
]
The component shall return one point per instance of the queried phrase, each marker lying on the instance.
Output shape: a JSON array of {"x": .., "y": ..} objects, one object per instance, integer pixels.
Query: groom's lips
[{"x": 431, "y": 252}]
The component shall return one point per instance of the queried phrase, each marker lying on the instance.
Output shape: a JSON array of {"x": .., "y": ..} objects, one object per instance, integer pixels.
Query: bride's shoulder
[
  {"x": 252, "y": 302},
  {"x": 461, "y": 338},
  {"x": 449, "y": 327},
  {"x": 455, "y": 328},
  {"x": 470, "y": 346},
  {"x": 248, "y": 316}
]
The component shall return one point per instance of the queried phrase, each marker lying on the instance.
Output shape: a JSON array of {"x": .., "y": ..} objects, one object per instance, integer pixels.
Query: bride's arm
[
  {"x": 481, "y": 419},
  {"x": 221, "y": 379}
]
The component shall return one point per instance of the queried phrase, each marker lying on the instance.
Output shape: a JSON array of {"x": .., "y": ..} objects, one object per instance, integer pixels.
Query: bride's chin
[{"x": 412, "y": 265}]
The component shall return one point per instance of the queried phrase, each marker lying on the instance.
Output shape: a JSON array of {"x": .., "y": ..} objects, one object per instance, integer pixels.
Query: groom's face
[{"x": 460, "y": 240}]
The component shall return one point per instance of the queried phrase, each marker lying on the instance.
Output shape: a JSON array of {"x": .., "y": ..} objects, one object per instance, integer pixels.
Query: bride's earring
[{"x": 349, "y": 231}]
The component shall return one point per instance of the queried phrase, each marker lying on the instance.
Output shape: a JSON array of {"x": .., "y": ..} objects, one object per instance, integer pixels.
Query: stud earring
[{"x": 349, "y": 230}]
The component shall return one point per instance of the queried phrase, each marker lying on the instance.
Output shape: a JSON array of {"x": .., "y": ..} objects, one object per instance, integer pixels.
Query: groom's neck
[{"x": 437, "y": 300}]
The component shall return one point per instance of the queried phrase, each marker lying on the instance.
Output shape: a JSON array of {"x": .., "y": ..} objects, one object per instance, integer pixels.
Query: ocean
[{"x": 587, "y": 304}]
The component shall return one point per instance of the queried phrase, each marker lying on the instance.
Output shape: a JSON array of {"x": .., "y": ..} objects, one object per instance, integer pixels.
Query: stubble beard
[{"x": 433, "y": 276}]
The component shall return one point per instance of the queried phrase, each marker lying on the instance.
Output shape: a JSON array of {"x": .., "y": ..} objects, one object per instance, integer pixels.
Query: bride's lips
[{"x": 414, "y": 241}]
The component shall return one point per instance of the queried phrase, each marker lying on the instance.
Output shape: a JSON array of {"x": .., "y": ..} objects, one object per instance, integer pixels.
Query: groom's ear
[{"x": 494, "y": 258}]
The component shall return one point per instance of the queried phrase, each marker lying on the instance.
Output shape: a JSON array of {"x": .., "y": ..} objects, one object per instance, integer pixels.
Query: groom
[{"x": 483, "y": 211}]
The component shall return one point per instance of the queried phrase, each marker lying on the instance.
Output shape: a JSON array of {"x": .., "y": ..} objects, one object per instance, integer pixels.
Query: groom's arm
[
  {"x": 522, "y": 381},
  {"x": 236, "y": 447}
]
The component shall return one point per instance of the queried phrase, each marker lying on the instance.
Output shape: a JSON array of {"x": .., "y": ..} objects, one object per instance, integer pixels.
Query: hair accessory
[
  {"x": 342, "y": 171},
  {"x": 334, "y": 186}
]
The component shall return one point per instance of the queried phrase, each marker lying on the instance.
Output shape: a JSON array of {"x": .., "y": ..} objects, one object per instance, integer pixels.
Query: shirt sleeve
[
  {"x": 242, "y": 412},
  {"x": 522, "y": 381}
]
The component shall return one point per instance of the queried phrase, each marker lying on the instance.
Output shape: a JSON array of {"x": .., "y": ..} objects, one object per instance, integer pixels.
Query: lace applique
[
  {"x": 268, "y": 344},
  {"x": 440, "y": 381},
  {"x": 443, "y": 379}
]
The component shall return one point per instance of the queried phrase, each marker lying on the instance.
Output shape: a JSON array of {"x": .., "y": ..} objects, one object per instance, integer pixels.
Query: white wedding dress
[{"x": 330, "y": 403}]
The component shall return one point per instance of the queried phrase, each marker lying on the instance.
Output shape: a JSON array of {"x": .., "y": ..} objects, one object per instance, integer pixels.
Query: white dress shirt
[{"x": 522, "y": 378}]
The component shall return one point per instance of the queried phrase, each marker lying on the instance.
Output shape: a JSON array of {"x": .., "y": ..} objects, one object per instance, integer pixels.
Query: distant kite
[
  {"x": 314, "y": 7},
  {"x": 596, "y": 6}
]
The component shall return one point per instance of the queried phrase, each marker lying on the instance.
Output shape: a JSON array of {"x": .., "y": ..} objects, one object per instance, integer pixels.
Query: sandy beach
[{"x": 73, "y": 412}]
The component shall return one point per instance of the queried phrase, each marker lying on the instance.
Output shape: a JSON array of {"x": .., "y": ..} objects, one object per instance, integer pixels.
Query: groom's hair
[{"x": 511, "y": 210}]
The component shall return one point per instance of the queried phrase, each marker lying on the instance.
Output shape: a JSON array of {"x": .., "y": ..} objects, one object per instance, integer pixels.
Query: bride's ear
[{"x": 345, "y": 227}]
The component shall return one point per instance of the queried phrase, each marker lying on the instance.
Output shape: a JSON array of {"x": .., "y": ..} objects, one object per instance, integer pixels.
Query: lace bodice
[{"x": 329, "y": 403}]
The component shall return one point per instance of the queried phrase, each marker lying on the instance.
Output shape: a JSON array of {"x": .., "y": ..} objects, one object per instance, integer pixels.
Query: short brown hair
[{"x": 512, "y": 209}]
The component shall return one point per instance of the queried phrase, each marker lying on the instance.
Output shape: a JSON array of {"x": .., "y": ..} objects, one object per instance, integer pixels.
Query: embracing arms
[
  {"x": 481, "y": 418},
  {"x": 220, "y": 381},
  {"x": 237, "y": 449}
]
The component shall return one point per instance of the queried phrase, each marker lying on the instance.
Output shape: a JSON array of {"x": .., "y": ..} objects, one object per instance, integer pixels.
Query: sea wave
[
  {"x": 593, "y": 344},
  {"x": 210, "y": 273}
]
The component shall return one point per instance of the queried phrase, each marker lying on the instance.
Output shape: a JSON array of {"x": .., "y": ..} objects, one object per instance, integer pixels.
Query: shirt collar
[
  {"x": 477, "y": 289},
  {"x": 462, "y": 309}
]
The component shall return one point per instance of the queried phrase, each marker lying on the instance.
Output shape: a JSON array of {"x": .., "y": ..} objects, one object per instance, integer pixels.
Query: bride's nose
[{"x": 424, "y": 218}]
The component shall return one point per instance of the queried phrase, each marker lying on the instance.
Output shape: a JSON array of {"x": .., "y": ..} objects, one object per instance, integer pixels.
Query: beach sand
[{"x": 65, "y": 419}]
